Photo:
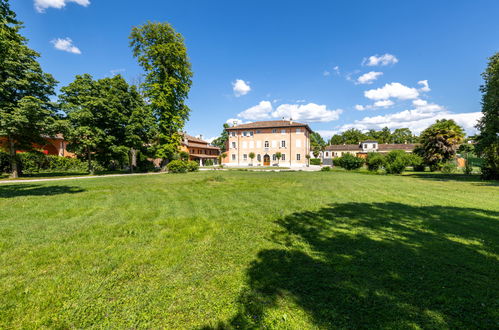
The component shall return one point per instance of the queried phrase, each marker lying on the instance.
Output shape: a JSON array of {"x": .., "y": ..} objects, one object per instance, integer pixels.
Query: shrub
[
  {"x": 193, "y": 166},
  {"x": 177, "y": 166},
  {"x": 396, "y": 161},
  {"x": 32, "y": 162},
  {"x": 416, "y": 162},
  {"x": 315, "y": 161},
  {"x": 449, "y": 167},
  {"x": 183, "y": 155},
  {"x": 375, "y": 161},
  {"x": 337, "y": 162},
  {"x": 468, "y": 169},
  {"x": 326, "y": 169},
  {"x": 350, "y": 162},
  {"x": 208, "y": 162},
  {"x": 4, "y": 162}
]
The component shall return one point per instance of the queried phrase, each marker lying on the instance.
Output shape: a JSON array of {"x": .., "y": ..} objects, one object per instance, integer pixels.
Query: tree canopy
[
  {"x": 161, "y": 52},
  {"x": 26, "y": 112},
  {"x": 488, "y": 140}
]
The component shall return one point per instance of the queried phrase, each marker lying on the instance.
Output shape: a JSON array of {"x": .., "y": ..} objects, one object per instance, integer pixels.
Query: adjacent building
[
  {"x": 199, "y": 150},
  {"x": 55, "y": 145},
  {"x": 266, "y": 139},
  {"x": 362, "y": 149}
]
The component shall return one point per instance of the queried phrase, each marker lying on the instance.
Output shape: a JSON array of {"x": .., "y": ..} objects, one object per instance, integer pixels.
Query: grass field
[{"x": 214, "y": 250}]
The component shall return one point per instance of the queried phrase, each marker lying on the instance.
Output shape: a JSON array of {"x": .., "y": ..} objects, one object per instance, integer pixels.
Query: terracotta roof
[
  {"x": 200, "y": 145},
  {"x": 270, "y": 124},
  {"x": 343, "y": 147},
  {"x": 400, "y": 146},
  {"x": 203, "y": 156},
  {"x": 193, "y": 139}
]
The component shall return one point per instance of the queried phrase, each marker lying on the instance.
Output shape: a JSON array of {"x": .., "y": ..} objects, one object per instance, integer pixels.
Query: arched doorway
[{"x": 266, "y": 160}]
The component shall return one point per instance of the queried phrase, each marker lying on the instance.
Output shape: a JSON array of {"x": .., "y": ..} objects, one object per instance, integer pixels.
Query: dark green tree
[
  {"x": 161, "y": 52},
  {"x": 26, "y": 113},
  {"x": 402, "y": 135},
  {"x": 488, "y": 140},
  {"x": 336, "y": 139},
  {"x": 317, "y": 143},
  {"x": 353, "y": 136},
  {"x": 221, "y": 141},
  {"x": 440, "y": 142}
]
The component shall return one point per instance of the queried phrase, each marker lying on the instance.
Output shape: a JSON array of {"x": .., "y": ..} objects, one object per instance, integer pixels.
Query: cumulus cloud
[
  {"x": 309, "y": 112},
  {"x": 240, "y": 87},
  {"x": 369, "y": 78},
  {"x": 382, "y": 60},
  {"x": 417, "y": 119},
  {"x": 66, "y": 45},
  {"x": 41, "y": 5},
  {"x": 360, "y": 107},
  {"x": 383, "y": 103},
  {"x": 419, "y": 103},
  {"x": 326, "y": 73},
  {"x": 392, "y": 90},
  {"x": 426, "y": 87}
]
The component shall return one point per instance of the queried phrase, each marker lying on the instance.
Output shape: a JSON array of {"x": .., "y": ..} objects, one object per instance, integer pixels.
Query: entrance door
[{"x": 266, "y": 160}]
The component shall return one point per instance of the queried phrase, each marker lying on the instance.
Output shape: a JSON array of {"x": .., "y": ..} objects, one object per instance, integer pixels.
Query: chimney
[
  {"x": 200, "y": 136},
  {"x": 234, "y": 123},
  {"x": 291, "y": 121}
]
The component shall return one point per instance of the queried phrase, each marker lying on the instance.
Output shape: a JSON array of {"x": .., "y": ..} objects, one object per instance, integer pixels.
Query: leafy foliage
[
  {"x": 375, "y": 161},
  {"x": 315, "y": 161},
  {"x": 177, "y": 166},
  {"x": 350, "y": 162},
  {"x": 449, "y": 167},
  {"x": 221, "y": 141},
  {"x": 26, "y": 112},
  {"x": 161, "y": 52},
  {"x": 396, "y": 161},
  {"x": 440, "y": 142},
  {"x": 326, "y": 169},
  {"x": 488, "y": 140}
]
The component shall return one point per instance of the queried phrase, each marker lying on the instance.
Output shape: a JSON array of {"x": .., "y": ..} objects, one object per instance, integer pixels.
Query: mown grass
[{"x": 250, "y": 250}]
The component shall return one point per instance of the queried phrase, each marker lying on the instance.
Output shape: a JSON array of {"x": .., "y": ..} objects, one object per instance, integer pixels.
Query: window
[
  {"x": 244, "y": 133},
  {"x": 274, "y": 131},
  {"x": 259, "y": 158},
  {"x": 251, "y": 133},
  {"x": 266, "y": 144},
  {"x": 245, "y": 157},
  {"x": 233, "y": 156},
  {"x": 234, "y": 145},
  {"x": 274, "y": 157},
  {"x": 365, "y": 146},
  {"x": 298, "y": 157},
  {"x": 374, "y": 145},
  {"x": 258, "y": 131},
  {"x": 233, "y": 133},
  {"x": 283, "y": 144},
  {"x": 298, "y": 143},
  {"x": 283, "y": 157},
  {"x": 283, "y": 131},
  {"x": 327, "y": 154}
]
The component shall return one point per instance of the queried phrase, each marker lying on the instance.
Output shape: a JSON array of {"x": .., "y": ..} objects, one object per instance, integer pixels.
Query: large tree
[
  {"x": 317, "y": 143},
  {"x": 26, "y": 113},
  {"x": 440, "y": 142},
  {"x": 161, "y": 52},
  {"x": 488, "y": 140},
  {"x": 353, "y": 136},
  {"x": 221, "y": 141},
  {"x": 402, "y": 135}
]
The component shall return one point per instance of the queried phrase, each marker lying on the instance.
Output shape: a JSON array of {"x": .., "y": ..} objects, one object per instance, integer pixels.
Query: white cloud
[
  {"x": 261, "y": 111},
  {"x": 416, "y": 119},
  {"x": 327, "y": 133},
  {"x": 393, "y": 90},
  {"x": 309, "y": 112},
  {"x": 426, "y": 87},
  {"x": 337, "y": 70},
  {"x": 419, "y": 103},
  {"x": 369, "y": 78},
  {"x": 383, "y": 103},
  {"x": 360, "y": 107},
  {"x": 66, "y": 45},
  {"x": 326, "y": 73},
  {"x": 382, "y": 60},
  {"x": 240, "y": 87},
  {"x": 41, "y": 5}
]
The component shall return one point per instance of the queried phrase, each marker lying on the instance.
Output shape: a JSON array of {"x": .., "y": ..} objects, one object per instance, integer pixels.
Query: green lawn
[{"x": 251, "y": 250}]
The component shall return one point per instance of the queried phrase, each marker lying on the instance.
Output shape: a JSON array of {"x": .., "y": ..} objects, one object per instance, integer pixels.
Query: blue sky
[{"x": 332, "y": 64}]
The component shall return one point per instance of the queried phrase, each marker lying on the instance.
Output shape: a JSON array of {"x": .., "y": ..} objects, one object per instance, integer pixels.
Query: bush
[
  {"x": 416, "y": 162},
  {"x": 350, "y": 162},
  {"x": 63, "y": 164},
  {"x": 396, "y": 161},
  {"x": 449, "y": 167},
  {"x": 326, "y": 169},
  {"x": 208, "y": 162},
  {"x": 375, "y": 161},
  {"x": 315, "y": 161},
  {"x": 336, "y": 162},
  {"x": 183, "y": 155},
  {"x": 177, "y": 166},
  {"x": 192, "y": 166},
  {"x": 4, "y": 162},
  {"x": 468, "y": 169}
]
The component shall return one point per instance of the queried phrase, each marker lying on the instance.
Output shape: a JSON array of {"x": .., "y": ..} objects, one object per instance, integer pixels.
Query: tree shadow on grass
[
  {"x": 380, "y": 265},
  {"x": 16, "y": 190},
  {"x": 474, "y": 178}
]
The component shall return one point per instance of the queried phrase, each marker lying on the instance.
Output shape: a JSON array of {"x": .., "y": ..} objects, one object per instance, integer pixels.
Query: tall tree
[
  {"x": 221, "y": 141},
  {"x": 353, "y": 136},
  {"x": 26, "y": 113},
  {"x": 402, "y": 135},
  {"x": 440, "y": 142},
  {"x": 161, "y": 52},
  {"x": 317, "y": 143},
  {"x": 488, "y": 140},
  {"x": 336, "y": 139}
]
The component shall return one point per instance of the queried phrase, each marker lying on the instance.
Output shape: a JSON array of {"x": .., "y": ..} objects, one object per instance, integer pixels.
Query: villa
[
  {"x": 199, "y": 150},
  {"x": 265, "y": 139},
  {"x": 362, "y": 149}
]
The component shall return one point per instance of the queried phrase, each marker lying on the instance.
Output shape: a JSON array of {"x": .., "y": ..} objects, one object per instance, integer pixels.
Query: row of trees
[
  {"x": 385, "y": 135},
  {"x": 106, "y": 120}
]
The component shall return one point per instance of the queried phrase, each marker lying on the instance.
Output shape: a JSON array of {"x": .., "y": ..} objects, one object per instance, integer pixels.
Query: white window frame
[
  {"x": 283, "y": 156},
  {"x": 266, "y": 144},
  {"x": 283, "y": 143},
  {"x": 298, "y": 156},
  {"x": 234, "y": 145},
  {"x": 245, "y": 156},
  {"x": 233, "y": 156}
]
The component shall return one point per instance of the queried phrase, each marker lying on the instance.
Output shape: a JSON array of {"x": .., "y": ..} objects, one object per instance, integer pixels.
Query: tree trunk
[
  {"x": 13, "y": 159},
  {"x": 133, "y": 159}
]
